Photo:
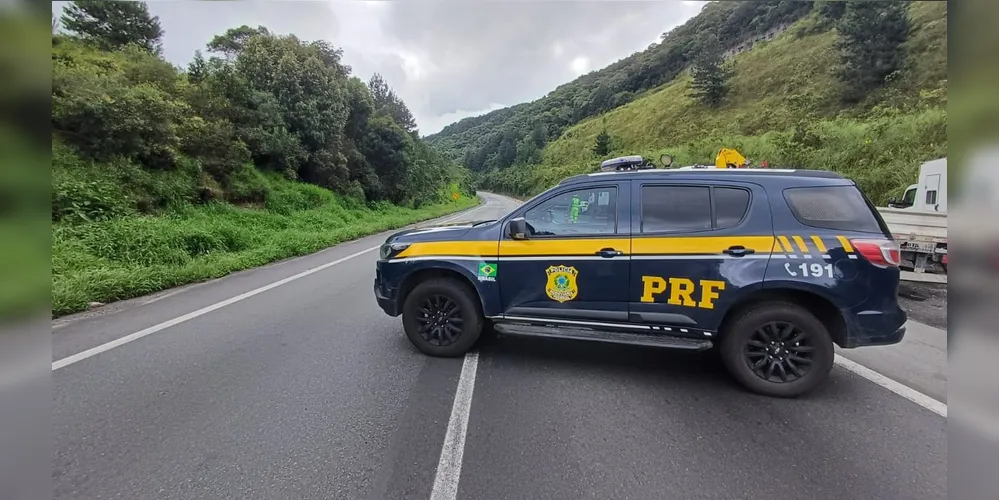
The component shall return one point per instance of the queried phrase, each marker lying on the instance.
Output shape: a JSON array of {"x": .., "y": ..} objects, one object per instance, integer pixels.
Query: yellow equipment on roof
[{"x": 730, "y": 158}]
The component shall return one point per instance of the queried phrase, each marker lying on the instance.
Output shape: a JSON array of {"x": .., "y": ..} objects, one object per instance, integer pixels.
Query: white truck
[{"x": 919, "y": 223}]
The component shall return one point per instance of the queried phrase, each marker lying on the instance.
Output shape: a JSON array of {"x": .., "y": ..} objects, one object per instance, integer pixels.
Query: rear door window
[
  {"x": 668, "y": 208},
  {"x": 731, "y": 205},
  {"x": 675, "y": 208}
]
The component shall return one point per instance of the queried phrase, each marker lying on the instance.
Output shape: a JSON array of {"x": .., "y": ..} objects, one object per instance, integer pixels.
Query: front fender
[{"x": 486, "y": 288}]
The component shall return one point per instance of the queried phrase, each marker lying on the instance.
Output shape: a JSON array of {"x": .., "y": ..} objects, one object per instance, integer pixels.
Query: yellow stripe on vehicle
[
  {"x": 819, "y": 244},
  {"x": 574, "y": 246},
  {"x": 846, "y": 244},
  {"x": 699, "y": 245},
  {"x": 801, "y": 244},
  {"x": 590, "y": 246},
  {"x": 785, "y": 244}
]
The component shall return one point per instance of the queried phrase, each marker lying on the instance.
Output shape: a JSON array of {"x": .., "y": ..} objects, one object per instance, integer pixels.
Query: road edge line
[
  {"x": 452, "y": 450},
  {"x": 107, "y": 346},
  {"x": 928, "y": 402}
]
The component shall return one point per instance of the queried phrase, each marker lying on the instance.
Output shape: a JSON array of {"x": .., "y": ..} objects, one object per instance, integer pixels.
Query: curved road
[{"x": 307, "y": 390}]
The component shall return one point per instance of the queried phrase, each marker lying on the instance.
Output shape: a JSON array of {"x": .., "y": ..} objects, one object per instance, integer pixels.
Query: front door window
[{"x": 590, "y": 211}]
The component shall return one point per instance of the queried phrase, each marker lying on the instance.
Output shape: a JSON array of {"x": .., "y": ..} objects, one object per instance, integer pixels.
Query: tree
[
  {"x": 831, "y": 10},
  {"x": 602, "y": 145},
  {"x": 386, "y": 147},
  {"x": 231, "y": 42},
  {"x": 871, "y": 43},
  {"x": 387, "y": 102},
  {"x": 113, "y": 24},
  {"x": 710, "y": 78}
]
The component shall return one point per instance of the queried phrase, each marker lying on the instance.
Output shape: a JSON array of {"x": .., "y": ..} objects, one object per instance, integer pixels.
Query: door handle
[
  {"x": 609, "y": 252},
  {"x": 738, "y": 250}
]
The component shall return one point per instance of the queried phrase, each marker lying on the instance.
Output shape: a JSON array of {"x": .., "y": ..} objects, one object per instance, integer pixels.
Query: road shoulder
[
  {"x": 918, "y": 362},
  {"x": 81, "y": 331}
]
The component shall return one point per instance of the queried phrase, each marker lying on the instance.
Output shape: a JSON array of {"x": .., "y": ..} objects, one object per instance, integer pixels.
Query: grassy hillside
[
  {"x": 784, "y": 106},
  {"x": 266, "y": 149},
  {"x": 515, "y": 134}
]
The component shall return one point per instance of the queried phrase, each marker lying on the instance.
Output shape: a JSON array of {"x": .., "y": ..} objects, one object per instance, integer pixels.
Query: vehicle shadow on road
[{"x": 696, "y": 372}]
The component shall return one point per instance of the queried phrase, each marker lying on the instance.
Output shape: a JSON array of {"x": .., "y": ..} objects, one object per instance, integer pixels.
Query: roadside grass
[{"x": 135, "y": 255}]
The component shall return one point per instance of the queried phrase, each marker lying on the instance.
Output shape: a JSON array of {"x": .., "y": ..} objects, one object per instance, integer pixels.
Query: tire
[
  {"x": 451, "y": 339},
  {"x": 741, "y": 346}
]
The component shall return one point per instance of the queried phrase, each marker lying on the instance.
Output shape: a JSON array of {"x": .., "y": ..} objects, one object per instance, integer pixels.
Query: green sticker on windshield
[{"x": 487, "y": 271}]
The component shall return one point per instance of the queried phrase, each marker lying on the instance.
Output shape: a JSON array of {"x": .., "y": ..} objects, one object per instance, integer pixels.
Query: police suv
[{"x": 769, "y": 267}]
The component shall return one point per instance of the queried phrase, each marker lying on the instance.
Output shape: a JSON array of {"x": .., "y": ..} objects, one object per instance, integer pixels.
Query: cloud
[{"x": 446, "y": 59}]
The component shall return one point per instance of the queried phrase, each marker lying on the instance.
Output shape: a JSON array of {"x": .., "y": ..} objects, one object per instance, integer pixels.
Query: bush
[
  {"x": 246, "y": 185},
  {"x": 289, "y": 197}
]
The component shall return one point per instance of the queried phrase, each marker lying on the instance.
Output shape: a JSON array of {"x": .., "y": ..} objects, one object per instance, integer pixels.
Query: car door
[
  {"x": 575, "y": 264},
  {"x": 697, "y": 247}
]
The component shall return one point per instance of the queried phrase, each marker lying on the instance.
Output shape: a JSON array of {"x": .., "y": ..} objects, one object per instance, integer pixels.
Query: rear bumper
[
  {"x": 886, "y": 339},
  {"x": 874, "y": 328}
]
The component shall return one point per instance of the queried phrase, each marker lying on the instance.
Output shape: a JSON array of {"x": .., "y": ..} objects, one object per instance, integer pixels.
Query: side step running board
[{"x": 577, "y": 333}]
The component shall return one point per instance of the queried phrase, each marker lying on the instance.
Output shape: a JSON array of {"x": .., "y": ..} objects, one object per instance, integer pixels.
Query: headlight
[{"x": 389, "y": 249}]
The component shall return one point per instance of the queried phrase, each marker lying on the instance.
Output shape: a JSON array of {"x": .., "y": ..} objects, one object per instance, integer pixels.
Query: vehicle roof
[{"x": 702, "y": 173}]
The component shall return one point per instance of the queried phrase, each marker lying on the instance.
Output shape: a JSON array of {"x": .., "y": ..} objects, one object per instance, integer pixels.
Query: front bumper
[{"x": 385, "y": 295}]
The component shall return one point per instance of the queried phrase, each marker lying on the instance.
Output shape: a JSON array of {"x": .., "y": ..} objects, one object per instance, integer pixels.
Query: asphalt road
[{"x": 308, "y": 390}]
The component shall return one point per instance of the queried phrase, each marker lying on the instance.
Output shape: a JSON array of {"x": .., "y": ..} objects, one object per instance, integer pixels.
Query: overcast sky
[{"x": 446, "y": 59}]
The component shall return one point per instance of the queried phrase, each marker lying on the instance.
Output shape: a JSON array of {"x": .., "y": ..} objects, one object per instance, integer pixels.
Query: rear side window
[
  {"x": 689, "y": 208},
  {"x": 833, "y": 207}
]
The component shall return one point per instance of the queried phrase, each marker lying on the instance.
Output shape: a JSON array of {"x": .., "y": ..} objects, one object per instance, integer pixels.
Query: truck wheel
[
  {"x": 442, "y": 317},
  {"x": 777, "y": 349}
]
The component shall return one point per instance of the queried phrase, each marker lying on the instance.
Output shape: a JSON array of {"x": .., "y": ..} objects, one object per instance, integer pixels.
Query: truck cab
[{"x": 930, "y": 193}]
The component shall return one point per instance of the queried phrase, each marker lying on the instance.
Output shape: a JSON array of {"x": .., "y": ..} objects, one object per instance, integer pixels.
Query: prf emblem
[{"x": 561, "y": 283}]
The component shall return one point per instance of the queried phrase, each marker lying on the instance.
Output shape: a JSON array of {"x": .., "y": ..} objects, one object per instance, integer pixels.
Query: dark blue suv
[{"x": 770, "y": 267}]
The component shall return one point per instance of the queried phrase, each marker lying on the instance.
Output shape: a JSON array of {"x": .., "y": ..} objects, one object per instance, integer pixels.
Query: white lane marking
[
  {"x": 218, "y": 305},
  {"x": 936, "y": 406},
  {"x": 449, "y": 466}
]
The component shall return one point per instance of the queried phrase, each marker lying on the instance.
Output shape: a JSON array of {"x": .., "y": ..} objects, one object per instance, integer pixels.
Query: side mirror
[{"x": 518, "y": 228}]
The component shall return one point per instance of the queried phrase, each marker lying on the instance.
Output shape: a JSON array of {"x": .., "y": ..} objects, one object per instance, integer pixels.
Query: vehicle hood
[
  {"x": 447, "y": 232},
  {"x": 440, "y": 232}
]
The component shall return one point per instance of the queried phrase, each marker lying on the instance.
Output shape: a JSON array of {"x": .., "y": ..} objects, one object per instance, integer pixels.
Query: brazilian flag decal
[{"x": 487, "y": 271}]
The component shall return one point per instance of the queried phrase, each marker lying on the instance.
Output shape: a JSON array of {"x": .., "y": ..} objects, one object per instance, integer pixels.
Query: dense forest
[
  {"x": 858, "y": 87},
  {"x": 263, "y": 147}
]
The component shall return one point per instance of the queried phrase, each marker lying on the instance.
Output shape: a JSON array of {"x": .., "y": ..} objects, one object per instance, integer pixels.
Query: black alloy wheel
[
  {"x": 779, "y": 351},
  {"x": 443, "y": 317},
  {"x": 440, "y": 320}
]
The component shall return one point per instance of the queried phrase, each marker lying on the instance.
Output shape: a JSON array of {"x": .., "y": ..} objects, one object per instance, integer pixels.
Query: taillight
[{"x": 880, "y": 252}]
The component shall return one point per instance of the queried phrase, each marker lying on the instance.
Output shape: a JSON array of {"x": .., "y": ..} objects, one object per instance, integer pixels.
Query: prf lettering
[{"x": 681, "y": 291}]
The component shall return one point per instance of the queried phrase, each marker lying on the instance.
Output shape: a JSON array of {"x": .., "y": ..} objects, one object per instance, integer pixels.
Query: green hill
[{"x": 784, "y": 105}]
